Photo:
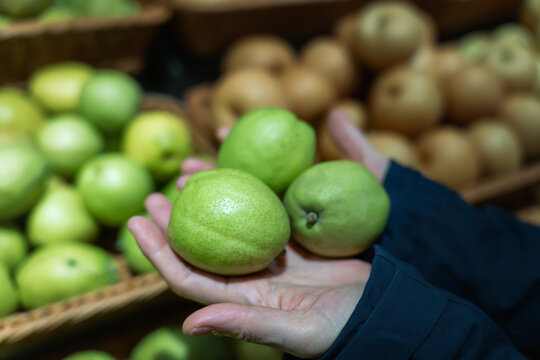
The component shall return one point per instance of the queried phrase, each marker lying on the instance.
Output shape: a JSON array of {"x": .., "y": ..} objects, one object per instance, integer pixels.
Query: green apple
[
  {"x": 23, "y": 174},
  {"x": 89, "y": 355},
  {"x": 58, "y": 87},
  {"x": 9, "y": 299},
  {"x": 58, "y": 271},
  {"x": 61, "y": 216},
  {"x": 19, "y": 113},
  {"x": 114, "y": 187},
  {"x": 13, "y": 246},
  {"x": 158, "y": 140},
  {"x": 23, "y": 8},
  {"x": 68, "y": 141},
  {"x": 110, "y": 99},
  {"x": 171, "y": 343},
  {"x": 135, "y": 258}
]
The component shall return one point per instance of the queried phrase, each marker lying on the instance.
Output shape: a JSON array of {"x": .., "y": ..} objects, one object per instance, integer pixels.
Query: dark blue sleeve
[
  {"x": 484, "y": 255},
  {"x": 402, "y": 316}
]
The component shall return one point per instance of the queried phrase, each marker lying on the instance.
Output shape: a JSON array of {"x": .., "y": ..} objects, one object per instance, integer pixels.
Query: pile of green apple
[
  {"x": 78, "y": 157},
  {"x": 48, "y": 11},
  {"x": 459, "y": 111}
]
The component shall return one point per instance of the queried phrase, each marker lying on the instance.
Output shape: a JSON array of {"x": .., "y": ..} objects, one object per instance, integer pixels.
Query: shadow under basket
[{"x": 118, "y": 43}]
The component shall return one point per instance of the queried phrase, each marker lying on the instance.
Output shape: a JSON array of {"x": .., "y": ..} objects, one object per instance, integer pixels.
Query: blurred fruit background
[{"x": 101, "y": 101}]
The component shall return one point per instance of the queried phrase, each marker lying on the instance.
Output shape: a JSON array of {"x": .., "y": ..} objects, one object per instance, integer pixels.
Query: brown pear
[
  {"x": 406, "y": 101},
  {"x": 395, "y": 146},
  {"x": 308, "y": 94},
  {"x": 241, "y": 91},
  {"x": 473, "y": 92},
  {"x": 514, "y": 64},
  {"x": 522, "y": 113},
  {"x": 330, "y": 57},
  {"x": 269, "y": 52}
]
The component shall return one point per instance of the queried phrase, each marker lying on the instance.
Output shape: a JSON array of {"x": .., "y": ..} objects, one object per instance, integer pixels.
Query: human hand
[{"x": 299, "y": 304}]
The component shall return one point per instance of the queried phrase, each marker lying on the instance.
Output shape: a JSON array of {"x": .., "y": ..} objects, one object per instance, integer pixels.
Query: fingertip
[
  {"x": 192, "y": 165},
  {"x": 222, "y": 132},
  {"x": 182, "y": 180}
]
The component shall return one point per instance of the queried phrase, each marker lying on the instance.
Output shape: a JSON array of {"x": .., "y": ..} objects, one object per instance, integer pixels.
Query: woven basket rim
[{"x": 150, "y": 15}]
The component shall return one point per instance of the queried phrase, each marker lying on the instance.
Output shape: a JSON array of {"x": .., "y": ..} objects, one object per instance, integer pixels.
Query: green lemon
[
  {"x": 23, "y": 8},
  {"x": 135, "y": 258},
  {"x": 172, "y": 344},
  {"x": 13, "y": 246},
  {"x": 58, "y": 87},
  {"x": 337, "y": 208},
  {"x": 23, "y": 174},
  {"x": 228, "y": 222},
  {"x": 271, "y": 144},
  {"x": 89, "y": 355},
  {"x": 68, "y": 141},
  {"x": 110, "y": 99},
  {"x": 19, "y": 113},
  {"x": 58, "y": 271},
  {"x": 9, "y": 299},
  {"x": 158, "y": 140},
  {"x": 60, "y": 215},
  {"x": 114, "y": 187}
]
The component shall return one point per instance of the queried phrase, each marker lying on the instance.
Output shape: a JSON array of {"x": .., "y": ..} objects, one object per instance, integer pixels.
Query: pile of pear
[
  {"x": 459, "y": 111},
  {"x": 78, "y": 157}
]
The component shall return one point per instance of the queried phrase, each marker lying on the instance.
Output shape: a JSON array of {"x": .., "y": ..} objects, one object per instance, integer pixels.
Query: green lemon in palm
[
  {"x": 58, "y": 87},
  {"x": 18, "y": 113},
  {"x": 68, "y": 141},
  {"x": 110, "y": 99},
  {"x": 158, "y": 140},
  {"x": 337, "y": 208},
  {"x": 228, "y": 222},
  {"x": 271, "y": 144},
  {"x": 58, "y": 271},
  {"x": 113, "y": 187},
  {"x": 13, "y": 246}
]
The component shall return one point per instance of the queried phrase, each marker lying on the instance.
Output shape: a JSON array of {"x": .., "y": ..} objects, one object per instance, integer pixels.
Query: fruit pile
[
  {"x": 78, "y": 156},
  {"x": 171, "y": 343},
  {"x": 458, "y": 111},
  {"x": 48, "y": 11}
]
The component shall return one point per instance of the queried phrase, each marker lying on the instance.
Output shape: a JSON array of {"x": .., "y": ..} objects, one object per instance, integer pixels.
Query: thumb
[
  {"x": 285, "y": 330},
  {"x": 355, "y": 145}
]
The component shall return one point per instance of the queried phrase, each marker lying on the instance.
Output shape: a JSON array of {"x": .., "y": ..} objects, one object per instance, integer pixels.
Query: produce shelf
[
  {"x": 130, "y": 292},
  {"x": 118, "y": 43}
]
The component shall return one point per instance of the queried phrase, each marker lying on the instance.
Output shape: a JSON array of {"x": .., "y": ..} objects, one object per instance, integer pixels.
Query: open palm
[{"x": 299, "y": 303}]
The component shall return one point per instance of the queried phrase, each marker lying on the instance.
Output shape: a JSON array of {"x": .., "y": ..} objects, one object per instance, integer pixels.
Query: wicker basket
[
  {"x": 205, "y": 28},
  {"x": 112, "y": 43},
  {"x": 132, "y": 290},
  {"x": 486, "y": 190}
]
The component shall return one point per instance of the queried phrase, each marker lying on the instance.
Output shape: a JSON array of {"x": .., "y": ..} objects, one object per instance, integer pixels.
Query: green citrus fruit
[
  {"x": 135, "y": 258},
  {"x": 19, "y": 113},
  {"x": 337, "y": 208},
  {"x": 23, "y": 174},
  {"x": 110, "y": 99},
  {"x": 58, "y": 271},
  {"x": 60, "y": 215},
  {"x": 228, "y": 222},
  {"x": 13, "y": 246},
  {"x": 9, "y": 299},
  {"x": 58, "y": 87},
  {"x": 114, "y": 187},
  {"x": 68, "y": 141},
  {"x": 271, "y": 144},
  {"x": 158, "y": 140}
]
